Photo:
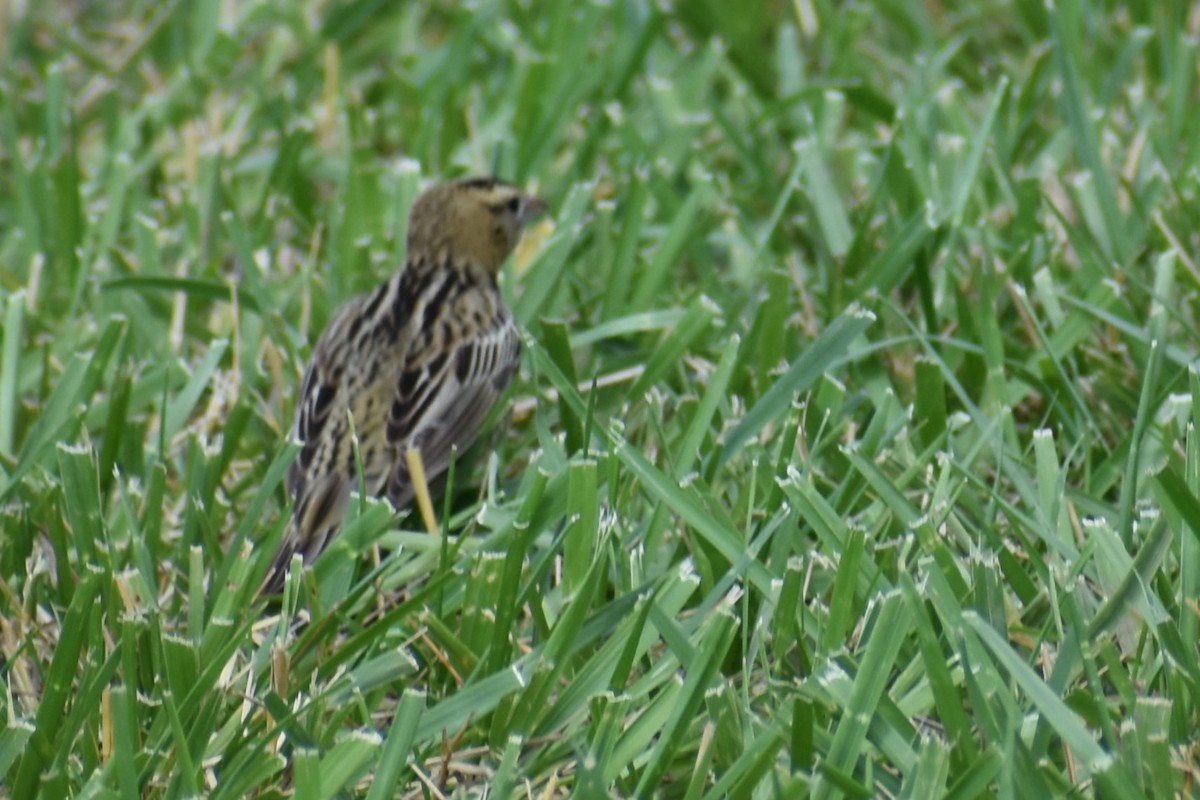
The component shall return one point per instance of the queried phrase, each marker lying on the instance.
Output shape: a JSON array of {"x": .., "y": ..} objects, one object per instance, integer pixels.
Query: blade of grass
[{"x": 828, "y": 349}]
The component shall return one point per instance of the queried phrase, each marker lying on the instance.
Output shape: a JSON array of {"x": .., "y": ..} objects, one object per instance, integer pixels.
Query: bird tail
[{"x": 316, "y": 519}]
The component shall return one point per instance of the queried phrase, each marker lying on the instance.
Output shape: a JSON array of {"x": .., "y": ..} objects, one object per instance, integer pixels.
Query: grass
[{"x": 853, "y": 452}]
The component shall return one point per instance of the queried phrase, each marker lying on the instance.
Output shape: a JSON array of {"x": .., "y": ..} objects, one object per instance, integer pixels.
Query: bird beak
[{"x": 532, "y": 208}]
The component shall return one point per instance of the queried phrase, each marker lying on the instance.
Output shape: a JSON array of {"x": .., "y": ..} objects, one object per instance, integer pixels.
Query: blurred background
[{"x": 852, "y": 452}]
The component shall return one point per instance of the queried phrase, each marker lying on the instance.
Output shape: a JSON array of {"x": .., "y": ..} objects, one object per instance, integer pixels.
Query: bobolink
[{"x": 418, "y": 363}]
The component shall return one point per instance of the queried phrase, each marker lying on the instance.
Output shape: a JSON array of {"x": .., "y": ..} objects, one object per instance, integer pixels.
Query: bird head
[{"x": 475, "y": 219}]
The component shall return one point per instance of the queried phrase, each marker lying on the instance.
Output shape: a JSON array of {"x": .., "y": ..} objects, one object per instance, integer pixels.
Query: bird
[{"x": 417, "y": 363}]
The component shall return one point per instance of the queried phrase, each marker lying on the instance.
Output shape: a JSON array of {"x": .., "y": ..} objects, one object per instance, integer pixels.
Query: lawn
[{"x": 852, "y": 453}]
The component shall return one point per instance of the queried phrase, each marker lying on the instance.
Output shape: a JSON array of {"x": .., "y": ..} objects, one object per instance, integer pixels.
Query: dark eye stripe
[{"x": 479, "y": 183}]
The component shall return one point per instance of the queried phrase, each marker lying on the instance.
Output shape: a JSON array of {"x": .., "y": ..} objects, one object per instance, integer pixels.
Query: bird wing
[
  {"x": 316, "y": 400},
  {"x": 322, "y": 398},
  {"x": 441, "y": 401},
  {"x": 321, "y": 478}
]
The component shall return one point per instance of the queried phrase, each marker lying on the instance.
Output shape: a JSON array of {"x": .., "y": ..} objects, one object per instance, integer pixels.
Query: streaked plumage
[{"x": 419, "y": 362}]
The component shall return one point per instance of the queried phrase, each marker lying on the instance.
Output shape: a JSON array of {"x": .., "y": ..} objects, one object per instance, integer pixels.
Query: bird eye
[{"x": 513, "y": 204}]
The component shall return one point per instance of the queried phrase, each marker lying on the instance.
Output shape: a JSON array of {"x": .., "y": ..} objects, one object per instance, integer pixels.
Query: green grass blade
[{"x": 827, "y": 350}]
